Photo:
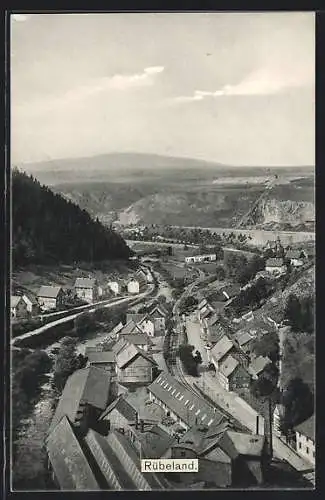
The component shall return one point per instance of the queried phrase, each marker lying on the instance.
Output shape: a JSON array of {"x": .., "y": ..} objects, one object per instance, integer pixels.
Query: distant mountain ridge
[{"x": 116, "y": 165}]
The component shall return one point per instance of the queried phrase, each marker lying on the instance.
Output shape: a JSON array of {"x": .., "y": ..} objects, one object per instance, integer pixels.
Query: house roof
[
  {"x": 258, "y": 364},
  {"x": 183, "y": 402},
  {"x": 228, "y": 366},
  {"x": 130, "y": 327},
  {"x": 128, "y": 353},
  {"x": 119, "y": 327},
  {"x": 122, "y": 342},
  {"x": 160, "y": 360},
  {"x": 155, "y": 441},
  {"x": 239, "y": 443},
  {"x": 274, "y": 262},
  {"x": 202, "y": 304},
  {"x": 221, "y": 348},
  {"x": 85, "y": 283},
  {"x": 30, "y": 298},
  {"x": 230, "y": 290},
  {"x": 307, "y": 428},
  {"x": 206, "y": 312},
  {"x": 135, "y": 317},
  {"x": 213, "y": 319},
  {"x": 203, "y": 439},
  {"x": 160, "y": 308},
  {"x": 67, "y": 459},
  {"x": 104, "y": 454},
  {"x": 50, "y": 292},
  {"x": 101, "y": 357},
  {"x": 15, "y": 299},
  {"x": 138, "y": 339},
  {"x": 243, "y": 338},
  {"x": 123, "y": 407},
  {"x": 89, "y": 385},
  {"x": 293, "y": 254}
]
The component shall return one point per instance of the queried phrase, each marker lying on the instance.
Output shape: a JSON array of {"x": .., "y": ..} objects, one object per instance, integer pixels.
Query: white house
[
  {"x": 194, "y": 259},
  {"x": 115, "y": 287},
  {"x": 147, "y": 326},
  {"x": 133, "y": 286},
  {"x": 275, "y": 265},
  {"x": 18, "y": 307},
  {"x": 86, "y": 289},
  {"x": 305, "y": 439},
  {"x": 50, "y": 297},
  {"x": 296, "y": 257},
  {"x": 31, "y": 303}
]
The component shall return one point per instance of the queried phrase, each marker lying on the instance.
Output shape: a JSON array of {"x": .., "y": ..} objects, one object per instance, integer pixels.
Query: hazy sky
[{"x": 227, "y": 87}]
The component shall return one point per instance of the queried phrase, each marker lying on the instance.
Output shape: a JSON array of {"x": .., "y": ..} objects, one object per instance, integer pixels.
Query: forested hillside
[{"x": 47, "y": 229}]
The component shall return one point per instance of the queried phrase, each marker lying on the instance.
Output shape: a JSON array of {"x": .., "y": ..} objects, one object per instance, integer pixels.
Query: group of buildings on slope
[{"x": 86, "y": 289}]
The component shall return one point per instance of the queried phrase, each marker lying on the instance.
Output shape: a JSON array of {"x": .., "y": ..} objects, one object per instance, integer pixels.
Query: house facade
[
  {"x": 134, "y": 367},
  {"x": 86, "y": 289},
  {"x": 147, "y": 326},
  {"x": 275, "y": 266},
  {"x": 295, "y": 257},
  {"x": 195, "y": 259},
  {"x": 50, "y": 297},
  {"x": 18, "y": 307},
  {"x": 233, "y": 375},
  {"x": 133, "y": 286},
  {"x": 305, "y": 439}
]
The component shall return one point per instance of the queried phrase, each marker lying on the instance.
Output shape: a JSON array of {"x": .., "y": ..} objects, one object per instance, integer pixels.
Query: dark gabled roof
[
  {"x": 130, "y": 327},
  {"x": 183, "y": 402},
  {"x": 101, "y": 357},
  {"x": 155, "y": 441},
  {"x": 110, "y": 466},
  {"x": 89, "y": 385},
  {"x": 50, "y": 292},
  {"x": 293, "y": 254},
  {"x": 30, "y": 298},
  {"x": 138, "y": 339},
  {"x": 307, "y": 428},
  {"x": 123, "y": 407},
  {"x": 135, "y": 317},
  {"x": 70, "y": 466},
  {"x": 274, "y": 262},
  {"x": 119, "y": 345},
  {"x": 85, "y": 283}
]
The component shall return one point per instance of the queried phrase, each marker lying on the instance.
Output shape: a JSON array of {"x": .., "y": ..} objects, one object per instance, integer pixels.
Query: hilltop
[{"x": 48, "y": 229}]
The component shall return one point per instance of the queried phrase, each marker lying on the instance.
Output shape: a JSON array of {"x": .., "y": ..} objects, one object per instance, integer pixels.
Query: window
[
  {"x": 183, "y": 453},
  {"x": 313, "y": 454},
  {"x": 307, "y": 450},
  {"x": 299, "y": 446}
]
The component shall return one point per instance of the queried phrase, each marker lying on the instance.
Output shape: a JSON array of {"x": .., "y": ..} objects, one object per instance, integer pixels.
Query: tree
[
  {"x": 267, "y": 345},
  {"x": 67, "y": 361},
  {"x": 298, "y": 401},
  {"x": 198, "y": 357},
  {"x": 185, "y": 353}
]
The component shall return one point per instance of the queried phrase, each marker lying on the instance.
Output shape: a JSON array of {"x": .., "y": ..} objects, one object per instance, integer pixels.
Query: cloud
[
  {"x": 118, "y": 82},
  {"x": 20, "y": 18},
  {"x": 264, "y": 81}
]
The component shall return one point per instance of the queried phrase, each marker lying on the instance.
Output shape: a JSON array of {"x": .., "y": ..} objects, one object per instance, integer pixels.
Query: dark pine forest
[{"x": 47, "y": 229}]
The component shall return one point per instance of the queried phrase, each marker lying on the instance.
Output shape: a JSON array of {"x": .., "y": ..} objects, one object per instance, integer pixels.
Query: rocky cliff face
[{"x": 290, "y": 212}]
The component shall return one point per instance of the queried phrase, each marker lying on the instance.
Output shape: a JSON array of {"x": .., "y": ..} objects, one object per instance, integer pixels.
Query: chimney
[
  {"x": 142, "y": 425},
  {"x": 257, "y": 424}
]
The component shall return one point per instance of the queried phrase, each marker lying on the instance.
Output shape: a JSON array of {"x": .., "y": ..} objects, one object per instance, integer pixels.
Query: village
[{"x": 137, "y": 395}]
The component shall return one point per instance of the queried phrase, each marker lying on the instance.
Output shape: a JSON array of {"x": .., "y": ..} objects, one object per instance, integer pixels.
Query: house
[
  {"x": 233, "y": 375},
  {"x": 84, "y": 397},
  {"x": 104, "y": 360},
  {"x": 193, "y": 259},
  {"x": 227, "y": 455},
  {"x": 135, "y": 317},
  {"x": 147, "y": 325},
  {"x": 18, "y": 307},
  {"x": 50, "y": 297},
  {"x": 220, "y": 350},
  {"x": 142, "y": 277},
  {"x": 149, "y": 438},
  {"x": 258, "y": 365},
  {"x": 305, "y": 439},
  {"x": 31, "y": 303},
  {"x": 70, "y": 469},
  {"x": 134, "y": 367},
  {"x": 275, "y": 265},
  {"x": 158, "y": 313},
  {"x": 86, "y": 289},
  {"x": 295, "y": 257},
  {"x": 245, "y": 340},
  {"x": 227, "y": 292},
  {"x": 133, "y": 286},
  {"x": 180, "y": 404}
]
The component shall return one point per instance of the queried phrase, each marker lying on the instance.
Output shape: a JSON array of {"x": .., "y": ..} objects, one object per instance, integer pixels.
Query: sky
[{"x": 233, "y": 88}]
